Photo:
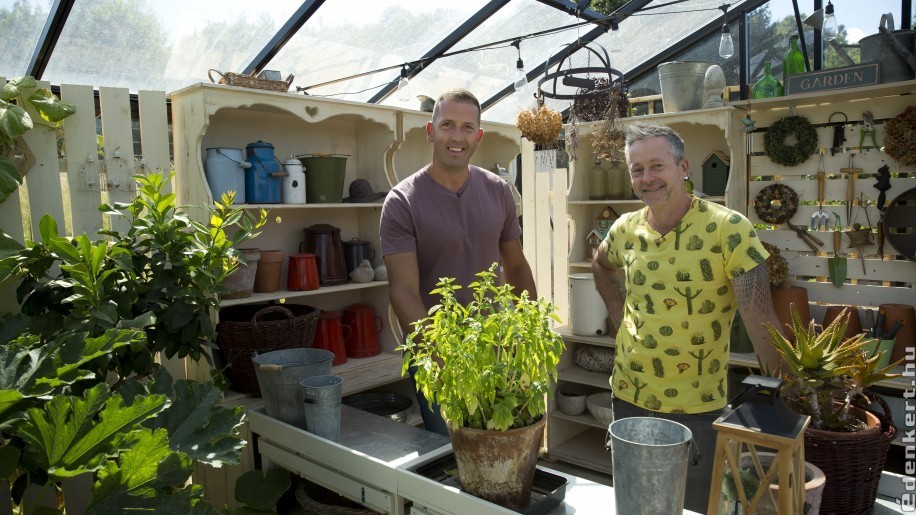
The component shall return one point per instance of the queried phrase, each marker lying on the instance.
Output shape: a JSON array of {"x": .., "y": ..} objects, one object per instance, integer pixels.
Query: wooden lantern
[{"x": 761, "y": 423}]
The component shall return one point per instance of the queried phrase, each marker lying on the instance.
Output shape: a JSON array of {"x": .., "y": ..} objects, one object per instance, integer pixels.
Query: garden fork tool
[
  {"x": 852, "y": 175},
  {"x": 820, "y": 219},
  {"x": 802, "y": 233}
]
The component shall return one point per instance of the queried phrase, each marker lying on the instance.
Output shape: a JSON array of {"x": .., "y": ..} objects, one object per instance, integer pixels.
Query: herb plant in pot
[
  {"x": 827, "y": 378},
  {"x": 489, "y": 366}
]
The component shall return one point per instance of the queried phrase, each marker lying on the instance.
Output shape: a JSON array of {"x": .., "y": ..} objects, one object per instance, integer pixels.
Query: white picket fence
[{"x": 73, "y": 174}]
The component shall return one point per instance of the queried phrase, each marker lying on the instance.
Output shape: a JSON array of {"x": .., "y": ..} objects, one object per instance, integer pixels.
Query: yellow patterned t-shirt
[{"x": 672, "y": 348}]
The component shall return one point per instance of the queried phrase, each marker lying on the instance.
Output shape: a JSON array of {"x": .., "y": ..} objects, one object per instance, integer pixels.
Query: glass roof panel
[
  {"x": 162, "y": 44},
  {"x": 21, "y": 22},
  {"x": 485, "y": 72},
  {"x": 335, "y": 43}
]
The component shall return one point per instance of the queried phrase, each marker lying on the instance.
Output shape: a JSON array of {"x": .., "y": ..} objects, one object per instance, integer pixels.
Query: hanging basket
[{"x": 602, "y": 84}]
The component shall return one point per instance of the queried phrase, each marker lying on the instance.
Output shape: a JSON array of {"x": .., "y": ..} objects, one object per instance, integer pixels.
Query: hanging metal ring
[{"x": 569, "y": 76}]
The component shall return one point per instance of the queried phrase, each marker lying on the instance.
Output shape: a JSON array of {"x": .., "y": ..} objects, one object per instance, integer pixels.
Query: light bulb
[
  {"x": 830, "y": 29},
  {"x": 726, "y": 44},
  {"x": 521, "y": 78},
  {"x": 402, "y": 93}
]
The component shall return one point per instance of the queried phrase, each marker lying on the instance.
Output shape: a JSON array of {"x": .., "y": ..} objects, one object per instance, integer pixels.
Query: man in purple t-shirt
[{"x": 449, "y": 219}]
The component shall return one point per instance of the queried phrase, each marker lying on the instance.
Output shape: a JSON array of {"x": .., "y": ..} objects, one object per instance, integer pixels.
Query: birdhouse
[
  {"x": 715, "y": 173},
  {"x": 602, "y": 225}
]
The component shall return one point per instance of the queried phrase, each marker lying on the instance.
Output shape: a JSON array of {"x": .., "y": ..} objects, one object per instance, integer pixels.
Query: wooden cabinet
[{"x": 383, "y": 145}]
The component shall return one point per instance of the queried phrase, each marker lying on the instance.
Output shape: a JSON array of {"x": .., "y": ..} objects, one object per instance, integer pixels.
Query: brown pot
[
  {"x": 267, "y": 277},
  {"x": 783, "y": 298},
  {"x": 498, "y": 466},
  {"x": 853, "y": 328}
]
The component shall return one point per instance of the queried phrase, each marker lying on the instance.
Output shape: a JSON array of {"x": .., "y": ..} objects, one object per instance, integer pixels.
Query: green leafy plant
[
  {"x": 489, "y": 363},
  {"x": 827, "y": 374},
  {"x": 80, "y": 392},
  {"x": 16, "y": 121}
]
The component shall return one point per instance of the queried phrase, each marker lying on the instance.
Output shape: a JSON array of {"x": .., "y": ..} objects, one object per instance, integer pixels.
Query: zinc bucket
[
  {"x": 682, "y": 85},
  {"x": 279, "y": 374},
  {"x": 649, "y": 456},
  {"x": 324, "y": 178},
  {"x": 321, "y": 402}
]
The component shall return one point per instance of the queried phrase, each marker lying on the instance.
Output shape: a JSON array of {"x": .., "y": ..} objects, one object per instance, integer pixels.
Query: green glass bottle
[
  {"x": 768, "y": 85},
  {"x": 793, "y": 62}
]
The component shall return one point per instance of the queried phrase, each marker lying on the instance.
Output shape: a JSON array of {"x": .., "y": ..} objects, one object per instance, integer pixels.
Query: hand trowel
[{"x": 836, "y": 266}]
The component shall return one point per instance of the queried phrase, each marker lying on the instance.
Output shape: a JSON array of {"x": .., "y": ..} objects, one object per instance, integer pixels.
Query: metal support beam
[
  {"x": 535, "y": 71},
  {"x": 451, "y": 40},
  {"x": 51, "y": 32},
  {"x": 744, "y": 58},
  {"x": 286, "y": 32}
]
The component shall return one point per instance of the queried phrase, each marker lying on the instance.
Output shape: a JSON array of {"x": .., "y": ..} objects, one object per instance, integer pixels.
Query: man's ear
[
  {"x": 479, "y": 134},
  {"x": 429, "y": 131}
]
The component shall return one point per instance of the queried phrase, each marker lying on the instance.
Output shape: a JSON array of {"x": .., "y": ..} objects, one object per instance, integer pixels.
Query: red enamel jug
[
  {"x": 303, "y": 273},
  {"x": 362, "y": 341},
  {"x": 330, "y": 335}
]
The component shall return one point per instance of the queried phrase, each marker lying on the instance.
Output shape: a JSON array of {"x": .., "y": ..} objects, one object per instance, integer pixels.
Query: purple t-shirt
[{"x": 454, "y": 234}]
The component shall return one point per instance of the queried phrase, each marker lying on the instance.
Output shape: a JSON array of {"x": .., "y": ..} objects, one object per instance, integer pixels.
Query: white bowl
[{"x": 599, "y": 407}]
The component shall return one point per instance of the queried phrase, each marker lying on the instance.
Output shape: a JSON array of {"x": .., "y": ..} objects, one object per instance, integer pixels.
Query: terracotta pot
[
  {"x": 498, "y": 466},
  {"x": 241, "y": 281},
  {"x": 785, "y": 297},
  {"x": 854, "y": 326},
  {"x": 267, "y": 277}
]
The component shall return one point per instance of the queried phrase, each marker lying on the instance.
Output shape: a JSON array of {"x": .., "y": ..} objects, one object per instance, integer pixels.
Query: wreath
[
  {"x": 900, "y": 137},
  {"x": 790, "y": 155},
  {"x": 776, "y": 204}
]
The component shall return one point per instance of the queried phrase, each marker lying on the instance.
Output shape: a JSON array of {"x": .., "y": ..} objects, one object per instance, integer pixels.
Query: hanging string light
[
  {"x": 521, "y": 78},
  {"x": 726, "y": 43},
  {"x": 830, "y": 30},
  {"x": 402, "y": 93}
]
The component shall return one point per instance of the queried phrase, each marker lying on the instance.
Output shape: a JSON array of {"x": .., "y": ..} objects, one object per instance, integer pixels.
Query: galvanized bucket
[
  {"x": 893, "y": 49},
  {"x": 279, "y": 374},
  {"x": 321, "y": 402},
  {"x": 649, "y": 456},
  {"x": 682, "y": 84}
]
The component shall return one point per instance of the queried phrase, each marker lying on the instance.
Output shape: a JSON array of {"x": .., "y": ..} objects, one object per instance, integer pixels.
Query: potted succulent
[
  {"x": 827, "y": 377},
  {"x": 489, "y": 365}
]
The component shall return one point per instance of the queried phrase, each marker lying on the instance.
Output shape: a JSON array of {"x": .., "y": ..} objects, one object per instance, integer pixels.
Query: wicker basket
[
  {"x": 852, "y": 462},
  {"x": 250, "y": 81},
  {"x": 317, "y": 500},
  {"x": 243, "y": 330}
]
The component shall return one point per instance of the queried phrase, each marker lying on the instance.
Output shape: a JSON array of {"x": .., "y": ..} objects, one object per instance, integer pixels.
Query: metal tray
[{"x": 547, "y": 491}]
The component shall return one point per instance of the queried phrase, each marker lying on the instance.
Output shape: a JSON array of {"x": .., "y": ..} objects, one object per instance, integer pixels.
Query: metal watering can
[
  {"x": 263, "y": 179},
  {"x": 892, "y": 48}
]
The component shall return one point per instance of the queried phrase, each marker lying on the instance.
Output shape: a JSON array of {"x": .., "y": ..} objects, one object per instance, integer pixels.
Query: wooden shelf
[
  {"x": 286, "y": 294},
  {"x": 586, "y": 450},
  {"x": 344, "y": 205}
]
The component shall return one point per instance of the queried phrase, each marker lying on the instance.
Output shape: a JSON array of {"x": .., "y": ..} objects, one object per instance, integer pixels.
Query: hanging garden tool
[
  {"x": 836, "y": 266},
  {"x": 859, "y": 236},
  {"x": 883, "y": 176},
  {"x": 803, "y": 235},
  {"x": 820, "y": 219},
  {"x": 868, "y": 130},
  {"x": 839, "y": 134},
  {"x": 852, "y": 175}
]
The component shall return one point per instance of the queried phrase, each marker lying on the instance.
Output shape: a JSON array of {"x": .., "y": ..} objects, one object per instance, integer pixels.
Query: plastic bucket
[
  {"x": 324, "y": 178},
  {"x": 682, "y": 84},
  {"x": 321, "y": 401},
  {"x": 587, "y": 311},
  {"x": 279, "y": 374},
  {"x": 649, "y": 457}
]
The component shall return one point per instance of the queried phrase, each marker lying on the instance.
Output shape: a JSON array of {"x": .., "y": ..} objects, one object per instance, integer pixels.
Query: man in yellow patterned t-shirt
[{"x": 688, "y": 265}]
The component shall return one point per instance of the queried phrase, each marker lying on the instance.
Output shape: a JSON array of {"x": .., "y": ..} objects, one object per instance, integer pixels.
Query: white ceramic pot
[{"x": 588, "y": 313}]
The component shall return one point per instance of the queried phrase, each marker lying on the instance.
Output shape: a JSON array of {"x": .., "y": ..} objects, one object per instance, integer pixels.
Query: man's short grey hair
[
  {"x": 457, "y": 95},
  {"x": 640, "y": 131}
]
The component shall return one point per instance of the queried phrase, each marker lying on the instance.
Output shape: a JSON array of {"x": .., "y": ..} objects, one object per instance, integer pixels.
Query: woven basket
[
  {"x": 250, "y": 81},
  {"x": 243, "y": 330},
  {"x": 852, "y": 462},
  {"x": 317, "y": 500}
]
